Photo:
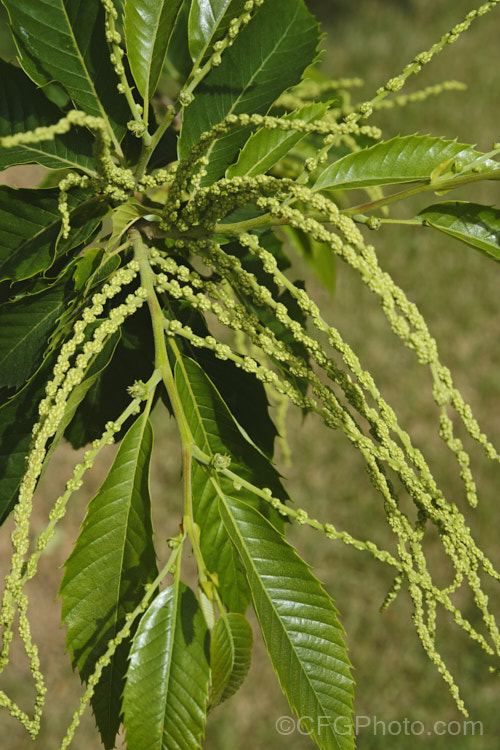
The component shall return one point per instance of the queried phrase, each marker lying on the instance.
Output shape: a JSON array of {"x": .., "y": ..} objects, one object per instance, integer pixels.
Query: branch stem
[
  {"x": 162, "y": 363},
  {"x": 437, "y": 186}
]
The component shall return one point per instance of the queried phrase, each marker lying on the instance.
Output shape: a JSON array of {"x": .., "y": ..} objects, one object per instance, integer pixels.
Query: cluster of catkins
[{"x": 344, "y": 395}]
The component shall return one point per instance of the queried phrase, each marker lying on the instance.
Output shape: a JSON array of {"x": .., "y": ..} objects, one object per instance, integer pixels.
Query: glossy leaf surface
[
  {"x": 300, "y": 626},
  {"x": 105, "y": 575},
  {"x": 167, "y": 680},
  {"x": 23, "y": 106},
  {"x": 30, "y": 224},
  {"x": 267, "y": 57},
  {"x": 266, "y": 147},
  {"x": 230, "y": 654},
  {"x": 409, "y": 158},
  {"x": 63, "y": 40},
  {"x": 216, "y": 432},
  {"x": 148, "y": 26},
  {"x": 206, "y": 23},
  {"x": 18, "y": 415},
  {"x": 25, "y": 326},
  {"x": 472, "y": 223}
]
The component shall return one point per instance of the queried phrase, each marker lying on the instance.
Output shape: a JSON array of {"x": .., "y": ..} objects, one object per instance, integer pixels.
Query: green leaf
[
  {"x": 166, "y": 691},
  {"x": 79, "y": 394},
  {"x": 17, "y": 418},
  {"x": 30, "y": 224},
  {"x": 122, "y": 219},
  {"x": 19, "y": 414},
  {"x": 266, "y": 147},
  {"x": 410, "y": 158},
  {"x": 318, "y": 256},
  {"x": 148, "y": 27},
  {"x": 268, "y": 56},
  {"x": 106, "y": 396},
  {"x": 252, "y": 412},
  {"x": 178, "y": 63},
  {"x": 63, "y": 40},
  {"x": 208, "y": 22},
  {"x": 299, "y": 624},
  {"x": 230, "y": 654},
  {"x": 105, "y": 575},
  {"x": 472, "y": 223},
  {"x": 215, "y": 431},
  {"x": 93, "y": 268},
  {"x": 25, "y": 327},
  {"x": 24, "y": 107}
]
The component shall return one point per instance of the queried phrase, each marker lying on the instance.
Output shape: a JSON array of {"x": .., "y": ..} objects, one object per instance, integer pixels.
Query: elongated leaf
[
  {"x": 208, "y": 22},
  {"x": 122, "y": 219},
  {"x": 19, "y": 414},
  {"x": 300, "y": 626},
  {"x": 25, "y": 326},
  {"x": 107, "y": 394},
  {"x": 403, "y": 159},
  {"x": 167, "y": 681},
  {"x": 148, "y": 26},
  {"x": 251, "y": 413},
  {"x": 105, "y": 575},
  {"x": 266, "y": 147},
  {"x": 30, "y": 223},
  {"x": 178, "y": 63},
  {"x": 215, "y": 431},
  {"x": 93, "y": 268},
  {"x": 472, "y": 223},
  {"x": 268, "y": 56},
  {"x": 79, "y": 393},
  {"x": 17, "y": 418},
  {"x": 63, "y": 40},
  {"x": 24, "y": 107},
  {"x": 230, "y": 653}
]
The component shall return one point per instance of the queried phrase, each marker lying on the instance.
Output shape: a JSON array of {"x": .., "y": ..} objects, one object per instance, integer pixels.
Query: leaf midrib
[
  {"x": 114, "y": 619},
  {"x": 275, "y": 613},
  {"x": 40, "y": 321},
  {"x": 264, "y": 62}
]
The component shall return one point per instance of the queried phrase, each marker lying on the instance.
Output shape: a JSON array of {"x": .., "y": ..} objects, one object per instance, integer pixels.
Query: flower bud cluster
[
  {"x": 419, "y": 96},
  {"x": 194, "y": 164},
  {"x": 113, "y": 181},
  {"x": 213, "y": 203},
  {"x": 423, "y": 58},
  {"x": 312, "y": 91},
  {"x": 72, "y": 179},
  {"x": 48, "y": 133}
]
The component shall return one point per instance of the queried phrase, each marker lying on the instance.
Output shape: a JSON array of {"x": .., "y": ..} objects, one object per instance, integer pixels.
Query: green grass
[{"x": 457, "y": 290}]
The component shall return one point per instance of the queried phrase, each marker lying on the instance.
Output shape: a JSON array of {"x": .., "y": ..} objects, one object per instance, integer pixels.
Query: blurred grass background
[{"x": 457, "y": 289}]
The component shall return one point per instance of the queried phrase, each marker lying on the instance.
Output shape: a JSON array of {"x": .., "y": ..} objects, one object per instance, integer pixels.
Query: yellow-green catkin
[
  {"x": 66, "y": 376},
  {"x": 395, "y": 84},
  {"x": 108, "y": 179},
  {"x": 180, "y": 282}
]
